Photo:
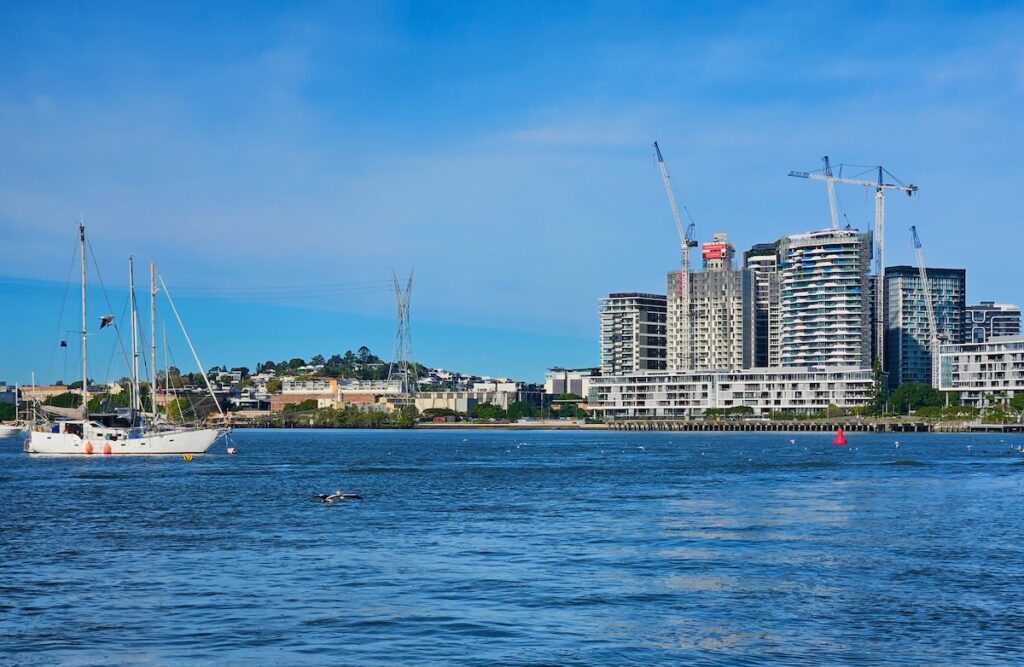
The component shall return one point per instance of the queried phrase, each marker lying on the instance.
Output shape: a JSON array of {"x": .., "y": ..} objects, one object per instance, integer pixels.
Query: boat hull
[
  {"x": 161, "y": 443},
  {"x": 8, "y": 431}
]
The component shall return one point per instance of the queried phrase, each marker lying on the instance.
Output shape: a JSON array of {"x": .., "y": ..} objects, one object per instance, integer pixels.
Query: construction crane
[
  {"x": 686, "y": 241},
  {"x": 880, "y": 185},
  {"x": 933, "y": 327}
]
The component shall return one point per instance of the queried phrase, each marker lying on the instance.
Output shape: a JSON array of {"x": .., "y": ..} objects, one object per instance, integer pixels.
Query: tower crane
[
  {"x": 880, "y": 185},
  {"x": 686, "y": 241},
  {"x": 933, "y": 328}
]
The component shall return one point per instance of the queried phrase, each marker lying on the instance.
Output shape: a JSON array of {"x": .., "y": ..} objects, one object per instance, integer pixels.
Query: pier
[{"x": 822, "y": 426}]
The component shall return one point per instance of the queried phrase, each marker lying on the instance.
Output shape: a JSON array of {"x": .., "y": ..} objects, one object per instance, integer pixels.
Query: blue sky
[{"x": 502, "y": 150}]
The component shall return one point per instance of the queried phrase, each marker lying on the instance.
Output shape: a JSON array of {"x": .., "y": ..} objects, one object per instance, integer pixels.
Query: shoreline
[{"x": 694, "y": 427}]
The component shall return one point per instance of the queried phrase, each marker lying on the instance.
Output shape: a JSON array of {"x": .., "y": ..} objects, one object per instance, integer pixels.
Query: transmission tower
[{"x": 403, "y": 371}]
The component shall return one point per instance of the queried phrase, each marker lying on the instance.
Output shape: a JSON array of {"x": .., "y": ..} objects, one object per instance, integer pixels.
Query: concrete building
[
  {"x": 907, "y": 332},
  {"x": 989, "y": 319},
  {"x": 685, "y": 395},
  {"x": 464, "y": 401},
  {"x": 985, "y": 371},
  {"x": 717, "y": 332},
  {"x": 8, "y": 393},
  {"x": 762, "y": 261},
  {"x": 632, "y": 333},
  {"x": 825, "y": 299},
  {"x": 558, "y": 381}
]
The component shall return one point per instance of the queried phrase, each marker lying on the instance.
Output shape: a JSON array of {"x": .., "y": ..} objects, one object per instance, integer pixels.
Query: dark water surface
[{"x": 520, "y": 548}]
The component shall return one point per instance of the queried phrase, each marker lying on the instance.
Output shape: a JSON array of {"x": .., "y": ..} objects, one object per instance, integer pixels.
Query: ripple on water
[{"x": 530, "y": 548}]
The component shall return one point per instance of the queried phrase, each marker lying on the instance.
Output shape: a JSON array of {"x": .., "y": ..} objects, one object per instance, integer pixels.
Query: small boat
[{"x": 9, "y": 430}]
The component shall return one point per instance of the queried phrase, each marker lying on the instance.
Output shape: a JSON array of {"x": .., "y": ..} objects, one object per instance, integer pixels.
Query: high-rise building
[
  {"x": 763, "y": 263},
  {"x": 632, "y": 333},
  {"x": 824, "y": 298},
  {"x": 989, "y": 319},
  {"x": 679, "y": 320},
  {"x": 907, "y": 332},
  {"x": 718, "y": 329}
]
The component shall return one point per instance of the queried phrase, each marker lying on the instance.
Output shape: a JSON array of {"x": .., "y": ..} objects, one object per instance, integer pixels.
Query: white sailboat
[
  {"x": 9, "y": 430},
  {"x": 125, "y": 432}
]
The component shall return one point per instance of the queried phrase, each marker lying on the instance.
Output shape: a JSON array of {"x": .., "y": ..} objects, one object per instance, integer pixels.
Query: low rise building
[
  {"x": 43, "y": 392},
  {"x": 558, "y": 381},
  {"x": 299, "y": 390},
  {"x": 689, "y": 394},
  {"x": 984, "y": 371},
  {"x": 464, "y": 401}
]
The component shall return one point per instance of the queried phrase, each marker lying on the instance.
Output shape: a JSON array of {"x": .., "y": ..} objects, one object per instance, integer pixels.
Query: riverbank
[{"x": 860, "y": 426}]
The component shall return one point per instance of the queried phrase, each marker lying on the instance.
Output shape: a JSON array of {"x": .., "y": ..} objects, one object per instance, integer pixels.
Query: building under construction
[{"x": 715, "y": 319}]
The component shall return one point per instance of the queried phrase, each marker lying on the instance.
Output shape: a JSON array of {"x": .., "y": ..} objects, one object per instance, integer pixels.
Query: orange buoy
[
  {"x": 840, "y": 438},
  {"x": 88, "y": 448},
  {"x": 106, "y": 449}
]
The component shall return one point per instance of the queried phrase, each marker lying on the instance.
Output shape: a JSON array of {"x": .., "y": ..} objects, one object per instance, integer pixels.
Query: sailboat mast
[
  {"x": 85, "y": 330},
  {"x": 152, "y": 338},
  {"x": 136, "y": 399}
]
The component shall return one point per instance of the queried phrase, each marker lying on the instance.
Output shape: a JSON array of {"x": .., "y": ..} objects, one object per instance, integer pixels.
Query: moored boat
[{"x": 127, "y": 431}]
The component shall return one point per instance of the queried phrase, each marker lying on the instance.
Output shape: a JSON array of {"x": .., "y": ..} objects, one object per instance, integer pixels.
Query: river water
[{"x": 521, "y": 548}]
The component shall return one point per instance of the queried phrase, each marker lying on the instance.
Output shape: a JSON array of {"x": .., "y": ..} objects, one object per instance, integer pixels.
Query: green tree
[
  {"x": 7, "y": 412},
  {"x": 910, "y": 396},
  {"x": 304, "y": 406},
  {"x": 487, "y": 411},
  {"x": 1017, "y": 402},
  {"x": 274, "y": 385},
  {"x": 877, "y": 395},
  {"x": 180, "y": 410},
  {"x": 519, "y": 410},
  {"x": 66, "y": 400}
]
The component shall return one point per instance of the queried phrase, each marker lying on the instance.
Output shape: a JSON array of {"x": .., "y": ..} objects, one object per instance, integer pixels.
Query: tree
[
  {"x": 439, "y": 412},
  {"x": 363, "y": 354},
  {"x": 910, "y": 396},
  {"x": 274, "y": 385},
  {"x": 833, "y": 411},
  {"x": 318, "y": 360},
  {"x": 7, "y": 412},
  {"x": 66, "y": 400},
  {"x": 877, "y": 395},
  {"x": 296, "y": 362},
  {"x": 487, "y": 411},
  {"x": 520, "y": 410},
  {"x": 304, "y": 406},
  {"x": 180, "y": 410},
  {"x": 1017, "y": 402}
]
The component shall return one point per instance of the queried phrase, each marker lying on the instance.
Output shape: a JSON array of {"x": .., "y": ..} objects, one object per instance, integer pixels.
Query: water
[{"x": 519, "y": 548}]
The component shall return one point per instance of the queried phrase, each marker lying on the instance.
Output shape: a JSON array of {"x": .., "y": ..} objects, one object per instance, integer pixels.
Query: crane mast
[
  {"x": 933, "y": 329},
  {"x": 830, "y": 182},
  {"x": 686, "y": 241}
]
